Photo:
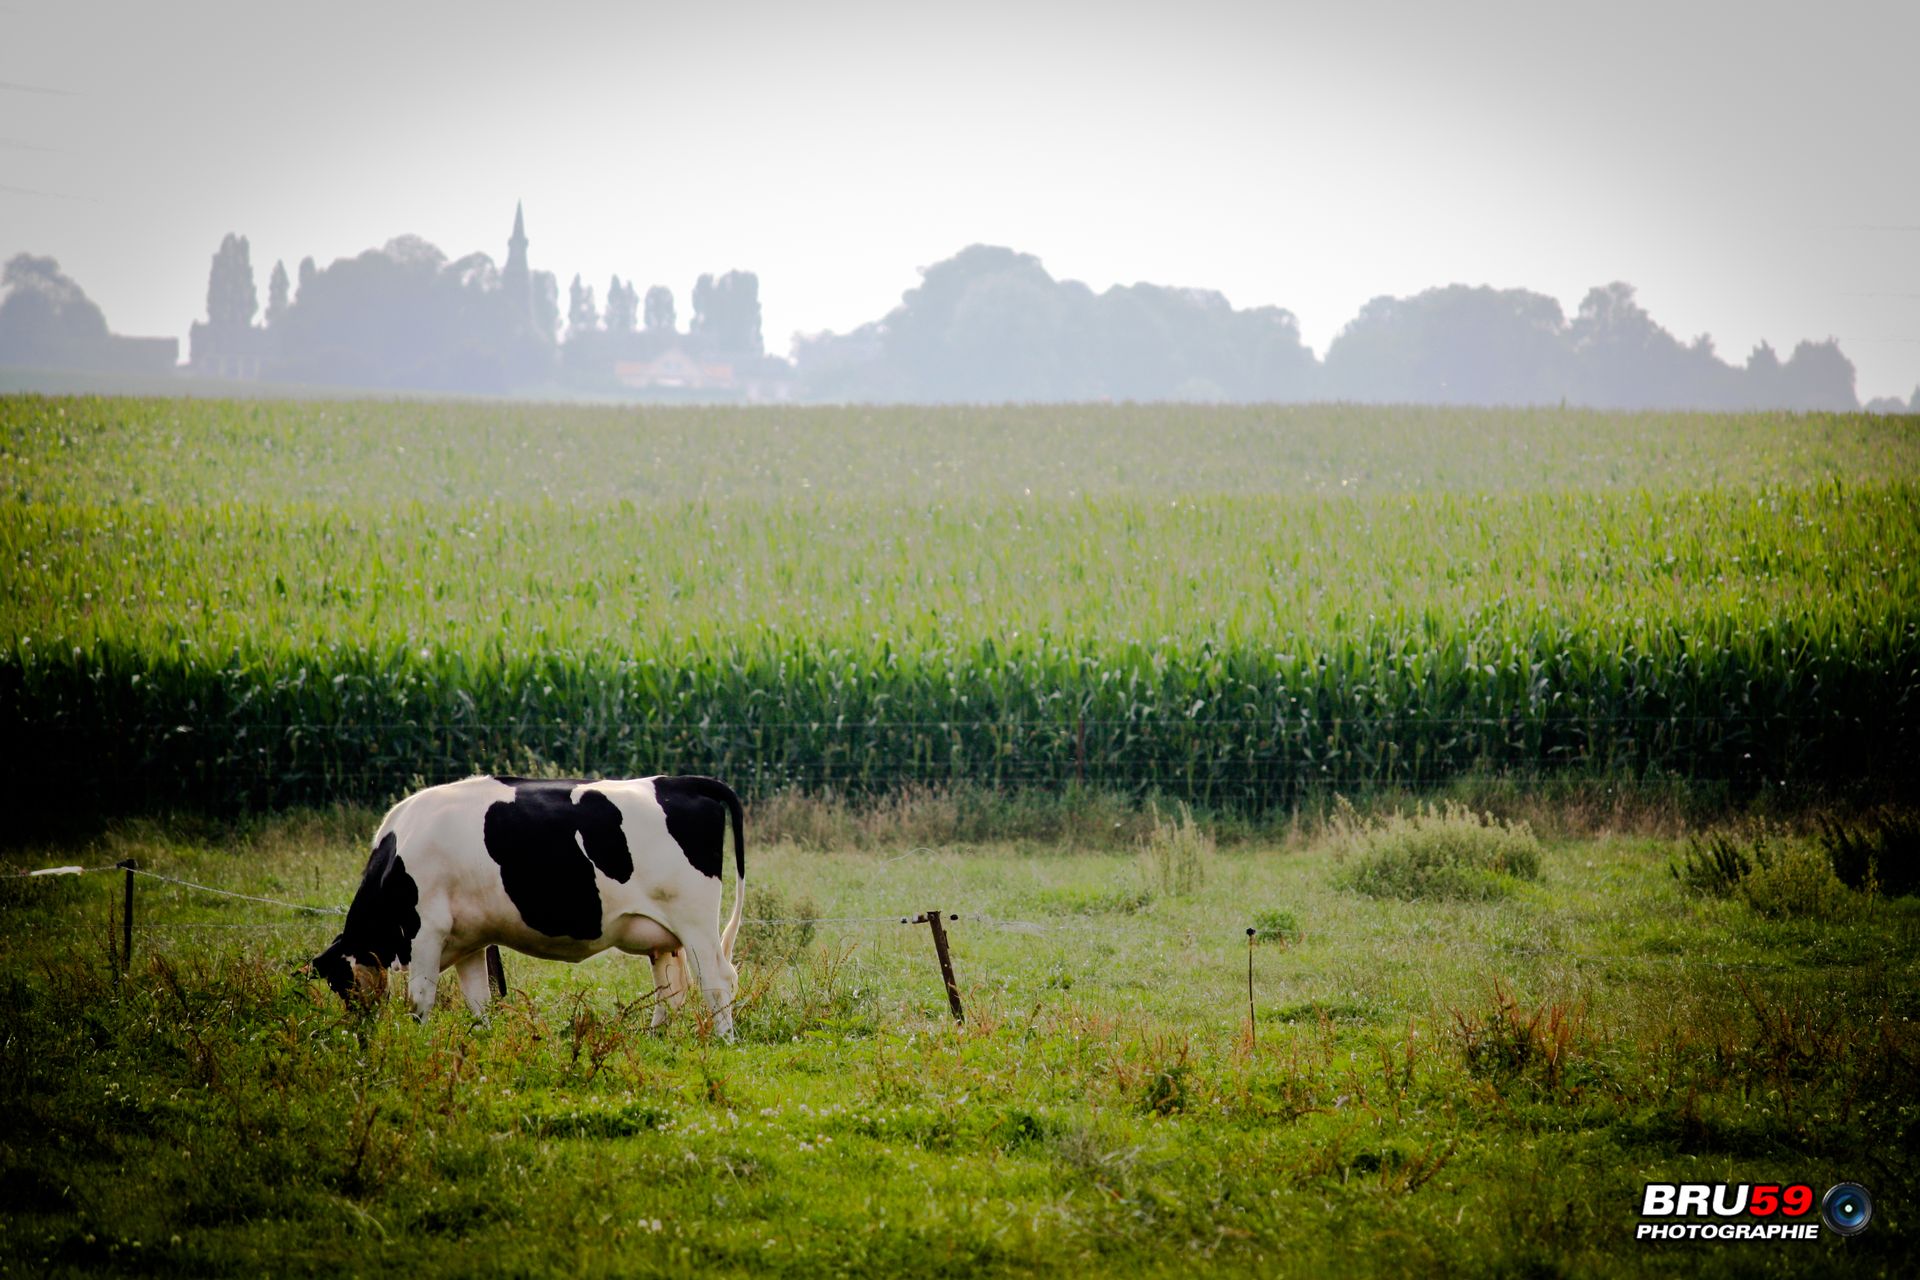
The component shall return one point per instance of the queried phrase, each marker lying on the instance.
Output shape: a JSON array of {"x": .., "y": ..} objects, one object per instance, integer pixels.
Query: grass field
[
  {"x": 1102, "y": 1107},
  {"x": 974, "y": 660}
]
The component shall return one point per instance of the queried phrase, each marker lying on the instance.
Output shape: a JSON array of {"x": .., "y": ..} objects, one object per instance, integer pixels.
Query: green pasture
[
  {"x": 1432, "y": 1086},
  {"x": 977, "y": 660}
]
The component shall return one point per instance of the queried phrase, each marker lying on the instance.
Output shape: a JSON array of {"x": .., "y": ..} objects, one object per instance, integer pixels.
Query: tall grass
[{"x": 1444, "y": 851}]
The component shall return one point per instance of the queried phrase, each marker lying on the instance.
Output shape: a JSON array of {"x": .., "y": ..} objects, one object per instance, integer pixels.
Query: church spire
[{"x": 514, "y": 281}]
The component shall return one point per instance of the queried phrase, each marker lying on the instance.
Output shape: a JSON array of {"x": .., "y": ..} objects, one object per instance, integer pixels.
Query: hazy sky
[{"x": 1752, "y": 168}]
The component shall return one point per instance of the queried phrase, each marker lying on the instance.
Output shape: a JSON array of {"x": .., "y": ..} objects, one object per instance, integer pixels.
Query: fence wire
[{"x": 1055, "y": 929}]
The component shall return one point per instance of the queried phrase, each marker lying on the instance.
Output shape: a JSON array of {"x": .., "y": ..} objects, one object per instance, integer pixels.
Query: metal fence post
[
  {"x": 129, "y": 865},
  {"x": 1252, "y": 1030}
]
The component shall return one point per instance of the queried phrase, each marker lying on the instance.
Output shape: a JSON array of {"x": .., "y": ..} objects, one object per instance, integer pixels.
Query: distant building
[
  {"x": 226, "y": 352},
  {"x": 142, "y": 355},
  {"x": 109, "y": 353},
  {"x": 516, "y": 281},
  {"x": 674, "y": 370},
  {"x": 47, "y": 322}
]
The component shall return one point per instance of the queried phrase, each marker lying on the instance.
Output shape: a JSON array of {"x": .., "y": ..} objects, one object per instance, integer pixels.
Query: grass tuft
[
  {"x": 1436, "y": 852},
  {"x": 1175, "y": 852}
]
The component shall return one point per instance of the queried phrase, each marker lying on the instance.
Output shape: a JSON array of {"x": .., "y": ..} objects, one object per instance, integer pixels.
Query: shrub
[
  {"x": 1275, "y": 926},
  {"x": 1881, "y": 855},
  {"x": 1776, "y": 876},
  {"x": 1795, "y": 879},
  {"x": 1444, "y": 852}
]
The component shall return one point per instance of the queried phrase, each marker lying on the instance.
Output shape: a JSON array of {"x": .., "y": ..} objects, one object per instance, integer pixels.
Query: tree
[
  {"x": 1818, "y": 376},
  {"x": 726, "y": 312},
  {"x": 46, "y": 318},
  {"x": 307, "y": 273},
  {"x": 659, "y": 314},
  {"x": 546, "y": 305},
  {"x": 582, "y": 315},
  {"x": 277, "y": 295},
  {"x": 991, "y": 324},
  {"x": 623, "y": 306},
  {"x": 1457, "y": 345},
  {"x": 231, "y": 296}
]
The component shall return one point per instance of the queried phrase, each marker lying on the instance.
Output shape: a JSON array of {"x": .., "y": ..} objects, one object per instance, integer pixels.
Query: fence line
[
  {"x": 229, "y": 893},
  {"x": 1024, "y": 927},
  {"x": 825, "y": 920},
  {"x": 195, "y": 924}
]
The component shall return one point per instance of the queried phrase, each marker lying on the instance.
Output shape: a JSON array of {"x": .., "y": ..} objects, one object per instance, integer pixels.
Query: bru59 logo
[{"x": 1771, "y": 1210}]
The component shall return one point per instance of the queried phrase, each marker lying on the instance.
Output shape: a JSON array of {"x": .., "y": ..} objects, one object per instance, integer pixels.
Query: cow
[{"x": 559, "y": 869}]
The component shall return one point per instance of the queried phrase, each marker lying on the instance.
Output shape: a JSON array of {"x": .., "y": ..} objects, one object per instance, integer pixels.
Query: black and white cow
[{"x": 558, "y": 869}]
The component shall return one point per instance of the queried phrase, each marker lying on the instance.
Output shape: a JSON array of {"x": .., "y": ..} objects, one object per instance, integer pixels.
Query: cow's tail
[{"x": 720, "y": 791}]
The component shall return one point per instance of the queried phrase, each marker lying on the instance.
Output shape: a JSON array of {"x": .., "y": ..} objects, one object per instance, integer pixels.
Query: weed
[
  {"x": 1175, "y": 852},
  {"x": 1717, "y": 864},
  {"x": 1168, "y": 1078},
  {"x": 1508, "y": 1043}
]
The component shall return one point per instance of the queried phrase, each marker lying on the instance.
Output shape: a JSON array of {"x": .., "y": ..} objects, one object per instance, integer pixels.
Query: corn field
[{"x": 229, "y": 604}]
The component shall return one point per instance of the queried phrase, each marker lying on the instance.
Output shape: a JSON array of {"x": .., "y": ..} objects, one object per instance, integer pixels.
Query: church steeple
[
  {"x": 514, "y": 281},
  {"x": 517, "y": 242}
]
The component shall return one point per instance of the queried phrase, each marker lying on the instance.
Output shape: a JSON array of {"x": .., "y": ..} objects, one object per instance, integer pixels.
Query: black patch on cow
[
  {"x": 382, "y": 920},
  {"x": 533, "y": 839},
  {"x": 696, "y": 819}
]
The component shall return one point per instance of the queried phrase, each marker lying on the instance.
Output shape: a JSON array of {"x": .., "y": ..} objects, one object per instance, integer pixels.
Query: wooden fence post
[{"x": 932, "y": 918}]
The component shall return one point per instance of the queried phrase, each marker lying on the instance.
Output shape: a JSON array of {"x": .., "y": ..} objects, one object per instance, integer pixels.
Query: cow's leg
[
  {"x": 423, "y": 972},
  {"x": 717, "y": 978},
  {"x": 669, "y": 984},
  {"x": 472, "y": 969}
]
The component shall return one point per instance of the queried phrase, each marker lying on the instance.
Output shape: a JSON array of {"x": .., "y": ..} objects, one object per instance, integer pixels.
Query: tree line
[
  {"x": 986, "y": 325},
  {"x": 990, "y": 324},
  {"x": 406, "y": 316}
]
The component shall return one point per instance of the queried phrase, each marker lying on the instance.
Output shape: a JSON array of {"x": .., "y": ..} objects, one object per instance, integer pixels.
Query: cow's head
[
  {"x": 336, "y": 966},
  {"x": 360, "y": 984}
]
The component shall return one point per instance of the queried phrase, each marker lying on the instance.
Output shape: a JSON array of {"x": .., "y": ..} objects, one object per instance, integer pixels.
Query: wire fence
[{"x": 1058, "y": 928}]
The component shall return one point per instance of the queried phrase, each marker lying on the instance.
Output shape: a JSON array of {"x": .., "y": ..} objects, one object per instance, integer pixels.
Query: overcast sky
[{"x": 1751, "y": 167}]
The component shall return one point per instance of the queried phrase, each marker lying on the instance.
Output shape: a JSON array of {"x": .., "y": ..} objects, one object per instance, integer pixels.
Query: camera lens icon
[{"x": 1847, "y": 1208}]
